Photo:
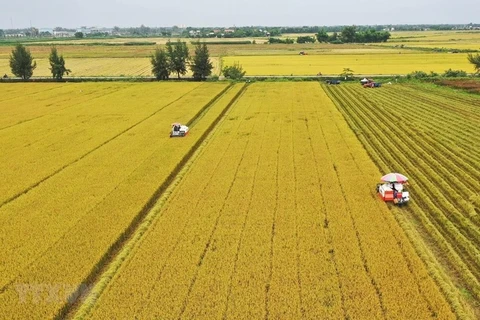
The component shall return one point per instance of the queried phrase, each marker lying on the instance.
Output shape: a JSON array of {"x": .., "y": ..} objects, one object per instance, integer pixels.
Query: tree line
[{"x": 174, "y": 58}]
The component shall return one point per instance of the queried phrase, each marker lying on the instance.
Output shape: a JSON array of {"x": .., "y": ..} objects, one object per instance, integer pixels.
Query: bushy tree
[
  {"x": 454, "y": 73},
  {"x": 21, "y": 62},
  {"x": 348, "y": 34},
  {"x": 305, "y": 39},
  {"x": 234, "y": 72},
  {"x": 160, "y": 64},
  {"x": 322, "y": 36},
  {"x": 417, "y": 75},
  {"x": 57, "y": 65},
  {"x": 79, "y": 35},
  {"x": 201, "y": 65},
  {"x": 178, "y": 55},
  {"x": 475, "y": 60},
  {"x": 347, "y": 73}
]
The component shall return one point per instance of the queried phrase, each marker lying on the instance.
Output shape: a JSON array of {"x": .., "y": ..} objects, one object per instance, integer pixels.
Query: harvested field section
[
  {"x": 267, "y": 223},
  {"x": 438, "y": 150}
]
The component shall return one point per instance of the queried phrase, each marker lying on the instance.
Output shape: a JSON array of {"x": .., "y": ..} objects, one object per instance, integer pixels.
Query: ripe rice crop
[
  {"x": 433, "y": 138},
  {"x": 333, "y": 64},
  {"x": 277, "y": 217},
  {"x": 98, "y": 67},
  {"x": 87, "y": 169}
]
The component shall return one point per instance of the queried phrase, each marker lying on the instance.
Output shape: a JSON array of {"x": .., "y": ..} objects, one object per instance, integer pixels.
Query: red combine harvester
[
  {"x": 369, "y": 83},
  {"x": 393, "y": 188}
]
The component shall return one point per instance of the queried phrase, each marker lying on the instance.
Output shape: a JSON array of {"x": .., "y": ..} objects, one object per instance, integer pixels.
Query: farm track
[
  {"x": 458, "y": 236},
  {"x": 28, "y": 189},
  {"x": 113, "y": 258}
]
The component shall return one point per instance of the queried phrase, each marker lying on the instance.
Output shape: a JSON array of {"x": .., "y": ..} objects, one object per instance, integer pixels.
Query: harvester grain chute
[{"x": 178, "y": 130}]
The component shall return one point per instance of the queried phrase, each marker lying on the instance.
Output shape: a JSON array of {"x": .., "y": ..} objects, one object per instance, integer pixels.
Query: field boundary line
[
  {"x": 28, "y": 189},
  {"x": 118, "y": 253}
]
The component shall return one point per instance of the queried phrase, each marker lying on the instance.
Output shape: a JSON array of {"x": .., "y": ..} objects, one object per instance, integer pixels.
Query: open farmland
[
  {"x": 431, "y": 134},
  {"x": 267, "y": 209},
  {"x": 80, "y": 172},
  {"x": 370, "y": 63},
  {"x": 99, "y": 67},
  {"x": 460, "y": 40},
  {"x": 276, "y": 218}
]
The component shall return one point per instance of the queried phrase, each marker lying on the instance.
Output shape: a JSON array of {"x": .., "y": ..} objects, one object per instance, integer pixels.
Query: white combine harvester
[{"x": 178, "y": 130}]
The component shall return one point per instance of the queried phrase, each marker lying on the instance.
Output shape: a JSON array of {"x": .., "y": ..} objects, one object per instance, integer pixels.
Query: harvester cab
[
  {"x": 178, "y": 130},
  {"x": 393, "y": 189}
]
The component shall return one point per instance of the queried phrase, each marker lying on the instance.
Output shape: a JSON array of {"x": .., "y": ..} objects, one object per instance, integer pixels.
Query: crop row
[
  {"x": 88, "y": 207},
  {"x": 277, "y": 218},
  {"x": 432, "y": 193},
  {"x": 407, "y": 142},
  {"x": 404, "y": 151}
]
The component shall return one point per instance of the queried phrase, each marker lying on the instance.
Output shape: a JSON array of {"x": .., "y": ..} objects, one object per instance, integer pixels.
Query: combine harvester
[
  {"x": 393, "y": 188},
  {"x": 369, "y": 83},
  {"x": 178, "y": 130}
]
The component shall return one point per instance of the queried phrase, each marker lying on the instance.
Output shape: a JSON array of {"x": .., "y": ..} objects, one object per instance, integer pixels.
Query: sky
[{"x": 224, "y": 13}]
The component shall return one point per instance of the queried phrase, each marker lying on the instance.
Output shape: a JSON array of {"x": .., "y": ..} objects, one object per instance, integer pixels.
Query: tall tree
[
  {"x": 178, "y": 54},
  {"x": 322, "y": 36},
  {"x": 348, "y": 34},
  {"x": 21, "y": 62},
  {"x": 475, "y": 60},
  {"x": 57, "y": 65},
  {"x": 201, "y": 65},
  {"x": 160, "y": 64}
]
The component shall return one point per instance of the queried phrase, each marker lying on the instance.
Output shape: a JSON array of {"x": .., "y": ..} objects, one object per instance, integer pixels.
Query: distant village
[{"x": 211, "y": 32}]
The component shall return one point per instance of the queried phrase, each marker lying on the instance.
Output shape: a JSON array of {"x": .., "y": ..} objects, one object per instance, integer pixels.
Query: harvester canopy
[{"x": 394, "y": 177}]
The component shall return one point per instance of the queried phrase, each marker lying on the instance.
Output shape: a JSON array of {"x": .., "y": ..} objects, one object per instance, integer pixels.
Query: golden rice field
[
  {"x": 267, "y": 209},
  {"x": 80, "y": 164},
  {"x": 99, "y": 67},
  {"x": 381, "y": 64},
  {"x": 461, "y": 40}
]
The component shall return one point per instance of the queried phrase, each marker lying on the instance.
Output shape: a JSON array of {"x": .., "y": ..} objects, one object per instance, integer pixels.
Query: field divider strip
[
  {"x": 28, "y": 189},
  {"x": 113, "y": 259}
]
